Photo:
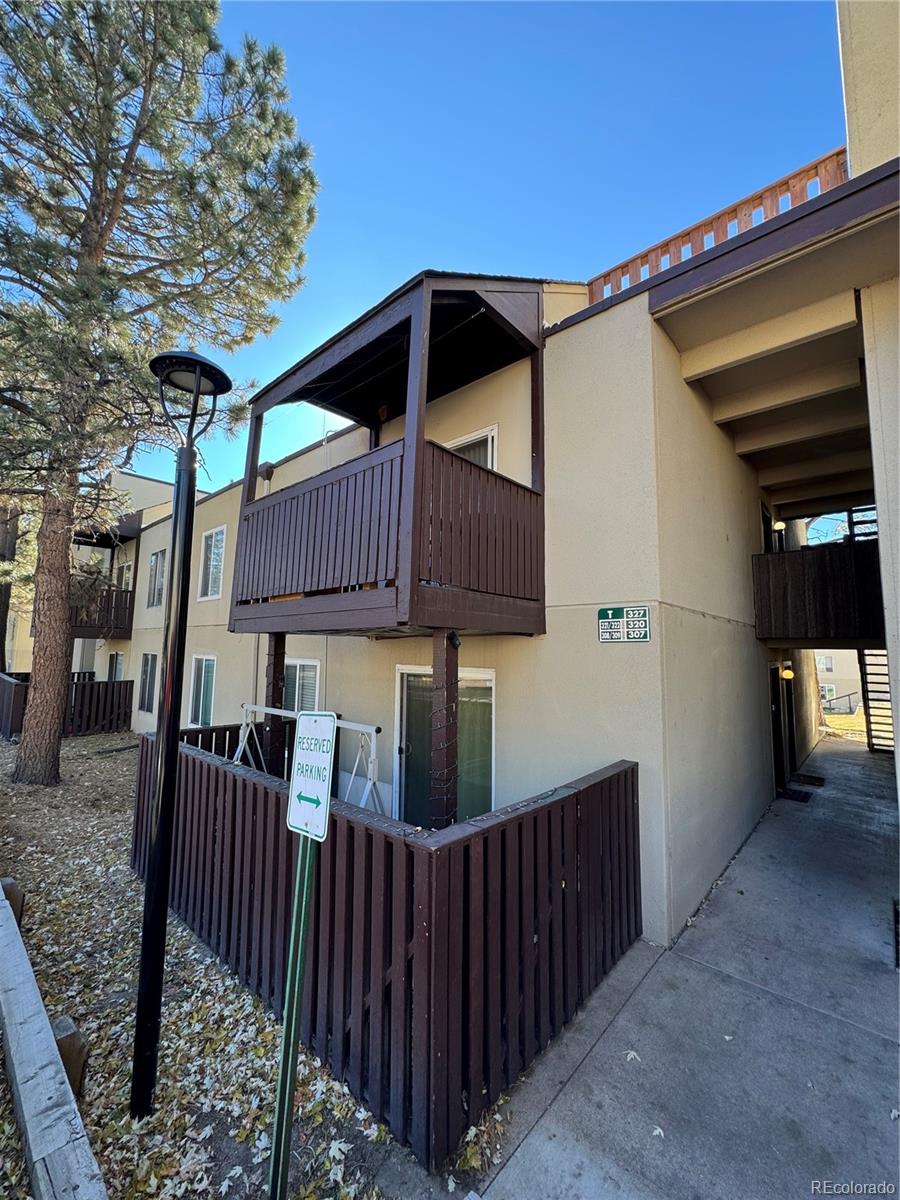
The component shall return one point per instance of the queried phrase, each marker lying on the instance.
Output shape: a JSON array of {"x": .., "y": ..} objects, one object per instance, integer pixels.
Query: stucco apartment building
[
  {"x": 142, "y": 499},
  {"x": 537, "y": 468}
]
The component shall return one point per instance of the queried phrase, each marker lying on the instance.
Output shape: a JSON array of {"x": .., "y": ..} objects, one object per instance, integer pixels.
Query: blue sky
[{"x": 520, "y": 138}]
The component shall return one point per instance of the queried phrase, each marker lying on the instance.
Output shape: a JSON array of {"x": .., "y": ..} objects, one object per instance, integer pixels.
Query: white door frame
[{"x": 402, "y": 669}]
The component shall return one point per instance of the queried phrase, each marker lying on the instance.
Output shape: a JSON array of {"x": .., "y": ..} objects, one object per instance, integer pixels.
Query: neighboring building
[
  {"x": 839, "y": 680},
  {"x": 101, "y": 604},
  {"x": 528, "y": 460}
]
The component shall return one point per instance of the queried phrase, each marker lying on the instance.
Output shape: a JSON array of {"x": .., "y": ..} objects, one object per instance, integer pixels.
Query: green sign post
[
  {"x": 307, "y": 814},
  {"x": 624, "y": 623}
]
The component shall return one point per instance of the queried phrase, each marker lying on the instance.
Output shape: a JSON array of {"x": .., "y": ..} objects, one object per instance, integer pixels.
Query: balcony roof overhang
[
  {"x": 125, "y": 529},
  {"x": 478, "y": 324}
]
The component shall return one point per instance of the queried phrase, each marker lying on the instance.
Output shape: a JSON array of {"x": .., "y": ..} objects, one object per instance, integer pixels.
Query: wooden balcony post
[
  {"x": 274, "y": 737},
  {"x": 444, "y": 727},
  {"x": 537, "y": 419},
  {"x": 413, "y": 454}
]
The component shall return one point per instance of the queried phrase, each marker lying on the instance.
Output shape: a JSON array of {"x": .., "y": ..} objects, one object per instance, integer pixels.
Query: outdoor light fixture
[
  {"x": 787, "y": 673},
  {"x": 189, "y": 375},
  {"x": 779, "y": 526}
]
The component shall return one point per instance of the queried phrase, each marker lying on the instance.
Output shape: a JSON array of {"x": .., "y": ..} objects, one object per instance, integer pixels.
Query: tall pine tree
[{"x": 153, "y": 191}]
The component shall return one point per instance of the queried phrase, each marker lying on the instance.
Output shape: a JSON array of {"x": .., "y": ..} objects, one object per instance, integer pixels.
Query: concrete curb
[{"x": 59, "y": 1157}]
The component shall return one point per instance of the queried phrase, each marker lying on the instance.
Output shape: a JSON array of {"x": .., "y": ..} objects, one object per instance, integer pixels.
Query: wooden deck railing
[
  {"x": 820, "y": 594},
  {"x": 339, "y": 530},
  {"x": 95, "y": 706},
  {"x": 481, "y": 531},
  {"x": 439, "y": 964},
  {"x": 109, "y": 614},
  {"x": 787, "y": 192},
  {"x": 336, "y": 531}
]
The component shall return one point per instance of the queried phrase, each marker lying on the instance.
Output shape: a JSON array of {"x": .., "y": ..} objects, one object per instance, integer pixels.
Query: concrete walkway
[{"x": 760, "y": 1053}]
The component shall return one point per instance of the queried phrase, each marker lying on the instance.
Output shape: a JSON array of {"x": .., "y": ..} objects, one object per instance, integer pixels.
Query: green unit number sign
[{"x": 624, "y": 623}]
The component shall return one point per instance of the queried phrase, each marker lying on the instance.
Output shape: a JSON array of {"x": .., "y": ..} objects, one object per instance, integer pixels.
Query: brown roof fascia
[{"x": 860, "y": 198}]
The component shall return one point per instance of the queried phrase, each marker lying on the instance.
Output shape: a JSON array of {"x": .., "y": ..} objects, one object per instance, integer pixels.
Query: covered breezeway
[{"x": 760, "y": 1053}]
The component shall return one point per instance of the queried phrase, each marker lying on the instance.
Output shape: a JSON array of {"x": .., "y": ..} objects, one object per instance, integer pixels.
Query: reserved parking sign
[{"x": 310, "y": 796}]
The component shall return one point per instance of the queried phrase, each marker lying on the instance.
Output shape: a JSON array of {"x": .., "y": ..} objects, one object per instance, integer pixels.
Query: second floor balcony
[
  {"x": 331, "y": 552},
  {"x": 820, "y": 597},
  {"x": 411, "y": 536},
  {"x": 104, "y": 612}
]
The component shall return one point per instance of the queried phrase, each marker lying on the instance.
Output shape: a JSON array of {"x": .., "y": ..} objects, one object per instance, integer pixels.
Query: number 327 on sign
[{"x": 624, "y": 623}]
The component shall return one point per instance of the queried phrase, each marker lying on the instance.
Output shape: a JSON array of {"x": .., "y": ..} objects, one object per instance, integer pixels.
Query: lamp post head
[{"x": 178, "y": 369}]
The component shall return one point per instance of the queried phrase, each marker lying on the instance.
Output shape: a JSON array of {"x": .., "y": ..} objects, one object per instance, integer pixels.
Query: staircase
[
  {"x": 876, "y": 692},
  {"x": 862, "y": 523}
]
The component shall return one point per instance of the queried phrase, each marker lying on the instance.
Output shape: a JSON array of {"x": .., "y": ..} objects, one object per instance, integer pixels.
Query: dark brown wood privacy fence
[
  {"x": 439, "y": 964},
  {"x": 480, "y": 530},
  {"x": 13, "y": 695},
  {"x": 95, "y": 706}
]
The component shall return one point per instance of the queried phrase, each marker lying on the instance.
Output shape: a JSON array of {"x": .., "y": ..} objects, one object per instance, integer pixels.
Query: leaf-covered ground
[{"x": 68, "y": 847}]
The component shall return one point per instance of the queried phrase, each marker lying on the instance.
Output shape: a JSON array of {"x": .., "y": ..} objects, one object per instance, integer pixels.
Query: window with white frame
[
  {"x": 116, "y": 668},
  {"x": 147, "y": 690},
  {"x": 479, "y": 447},
  {"x": 301, "y": 685},
  {"x": 157, "y": 585},
  {"x": 824, "y": 662},
  {"x": 827, "y": 691},
  {"x": 212, "y": 557},
  {"x": 203, "y": 686}
]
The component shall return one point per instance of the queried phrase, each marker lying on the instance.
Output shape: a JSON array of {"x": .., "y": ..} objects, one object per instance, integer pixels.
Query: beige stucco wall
[
  {"x": 807, "y": 707},
  {"x": 140, "y": 491},
  {"x": 563, "y": 299},
  {"x": 869, "y": 32},
  {"x": 502, "y": 400},
  {"x": 601, "y": 702},
  {"x": 880, "y": 307},
  {"x": 717, "y": 760}
]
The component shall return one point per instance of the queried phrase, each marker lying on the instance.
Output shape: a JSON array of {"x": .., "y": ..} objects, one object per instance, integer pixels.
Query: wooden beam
[
  {"x": 841, "y": 418},
  {"x": 413, "y": 454},
  {"x": 822, "y": 504},
  {"x": 853, "y": 481},
  {"x": 537, "y": 420},
  {"x": 805, "y": 385},
  {"x": 274, "y": 736},
  {"x": 814, "y": 468},
  {"x": 335, "y": 350},
  {"x": 57, "y": 1151},
  {"x": 818, "y": 320},
  {"x": 444, "y": 727}
]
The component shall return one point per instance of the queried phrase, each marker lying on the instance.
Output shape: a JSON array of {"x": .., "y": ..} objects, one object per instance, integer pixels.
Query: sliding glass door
[{"x": 475, "y": 749}]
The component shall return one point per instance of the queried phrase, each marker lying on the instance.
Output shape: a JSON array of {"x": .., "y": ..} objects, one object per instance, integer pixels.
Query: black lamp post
[{"x": 195, "y": 376}]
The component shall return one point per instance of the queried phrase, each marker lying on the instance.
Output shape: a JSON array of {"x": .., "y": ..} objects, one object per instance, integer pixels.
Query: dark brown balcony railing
[
  {"x": 820, "y": 595},
  {"x": 107, "y": 614},
  {"x": 326, "y": 553}
]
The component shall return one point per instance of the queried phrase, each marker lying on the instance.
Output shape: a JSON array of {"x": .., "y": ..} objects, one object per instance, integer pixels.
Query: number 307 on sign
[{"x": 624, "y": 623}]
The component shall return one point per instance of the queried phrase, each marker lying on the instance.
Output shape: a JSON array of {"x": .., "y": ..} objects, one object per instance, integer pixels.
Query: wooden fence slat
[{"x": 438, "y": 964}]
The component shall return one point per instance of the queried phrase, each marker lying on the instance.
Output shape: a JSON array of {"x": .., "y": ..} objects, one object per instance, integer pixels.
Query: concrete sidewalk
[{"x": 760, "y": 1053}]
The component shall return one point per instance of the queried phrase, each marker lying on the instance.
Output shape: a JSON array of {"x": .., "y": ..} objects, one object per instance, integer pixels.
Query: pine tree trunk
[{"x": 37, "y": 760}]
